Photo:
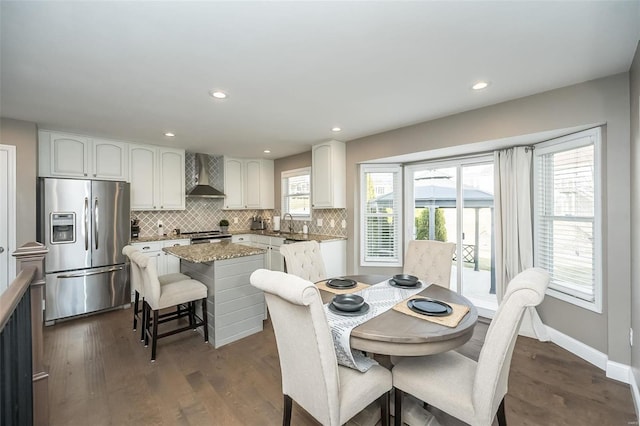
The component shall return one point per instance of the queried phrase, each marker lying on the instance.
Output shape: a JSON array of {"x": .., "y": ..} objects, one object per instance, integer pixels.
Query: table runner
[{"x": 381, "y": 297}]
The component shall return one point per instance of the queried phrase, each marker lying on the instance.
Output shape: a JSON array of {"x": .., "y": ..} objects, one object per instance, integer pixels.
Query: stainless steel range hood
[{"x": 203, "y": 189}]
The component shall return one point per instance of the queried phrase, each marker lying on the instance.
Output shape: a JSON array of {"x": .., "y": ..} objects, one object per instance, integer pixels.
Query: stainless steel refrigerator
[{"x": 85, "y": 225}]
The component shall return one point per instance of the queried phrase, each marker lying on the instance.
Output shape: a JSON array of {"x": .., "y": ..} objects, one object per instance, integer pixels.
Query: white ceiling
[{"x": 293, "y": 70}]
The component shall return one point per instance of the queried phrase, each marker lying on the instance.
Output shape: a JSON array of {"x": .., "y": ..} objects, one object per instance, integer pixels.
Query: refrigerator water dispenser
[{"x": 63, "y": 228}]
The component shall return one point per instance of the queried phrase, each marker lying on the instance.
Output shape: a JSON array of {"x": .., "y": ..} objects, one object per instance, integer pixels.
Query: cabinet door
[
  {"x": 69, "y": 155},
  {"x": 252, "y": 184},
  {"x": 233, "y": 183},
  {"x": 172, "y": 263},
  {"x": 110, "y": 160},
  {"x": 321, "y": 176},
  {"x": 142, "y": 171},
  {"x": 171, "y": 179},
  {"x": 276, "y": 259}
]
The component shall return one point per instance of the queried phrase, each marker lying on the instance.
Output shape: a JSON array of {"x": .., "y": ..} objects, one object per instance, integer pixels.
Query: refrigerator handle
[
  {"x": 95, "y": 222},
  {"x": 86, "y": 224},
  {"x": 87, "y": 274}
]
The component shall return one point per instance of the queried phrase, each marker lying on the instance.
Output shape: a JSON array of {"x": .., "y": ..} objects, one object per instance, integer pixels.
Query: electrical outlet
[
  {"x": 319, "y": 222},
  {"x": 631, "y": 337},
  {"x": 344, "y": 224},
  {"x": 332, "y": 223},
  {"x": 235, "y": 220}
]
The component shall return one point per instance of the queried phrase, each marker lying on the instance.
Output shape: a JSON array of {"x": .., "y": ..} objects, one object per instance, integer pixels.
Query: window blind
[
  {"x": 296, "y": 193},
  {"x": 382, "y": 212},
  {"x": 565, "y": 208}
]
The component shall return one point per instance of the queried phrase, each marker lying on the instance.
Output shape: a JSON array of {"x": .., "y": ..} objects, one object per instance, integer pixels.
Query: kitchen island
[{"x": 235, "y": 308}]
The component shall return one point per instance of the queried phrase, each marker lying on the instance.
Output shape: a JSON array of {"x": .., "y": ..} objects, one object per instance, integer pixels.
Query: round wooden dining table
[{"x": 395, "y": 333}]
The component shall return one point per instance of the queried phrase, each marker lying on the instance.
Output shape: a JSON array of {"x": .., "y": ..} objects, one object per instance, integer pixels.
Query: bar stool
[
  {"x": 157, "y": 297},
  {"x": 136, "y": 285}
]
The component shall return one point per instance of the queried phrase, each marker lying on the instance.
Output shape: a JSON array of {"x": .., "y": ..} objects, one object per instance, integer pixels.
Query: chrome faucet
[{"x": 290, "y": 221}]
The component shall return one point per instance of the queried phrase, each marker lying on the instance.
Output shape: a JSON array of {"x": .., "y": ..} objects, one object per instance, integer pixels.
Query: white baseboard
[
  {"x": 618, "y": 371},
  {"x": 635, "y": 392},
  {"x": 578, "y": 348}
]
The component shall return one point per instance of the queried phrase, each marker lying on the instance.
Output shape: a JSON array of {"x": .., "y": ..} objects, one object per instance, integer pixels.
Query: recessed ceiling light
[
  {"x": 336, "y": 129},
  {"x": 218, "y": 94},
  {"x": 266, "y": 151},
  {"x": 480, "y": 85},
  {"x": 170, "y": 135}
]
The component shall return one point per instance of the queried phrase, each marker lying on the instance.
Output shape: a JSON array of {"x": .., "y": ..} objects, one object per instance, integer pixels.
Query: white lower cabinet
[
  {"x": 273, "y": 260},
  {"x": 334, "y": 256},
  {"x": 165, "y": 262}
]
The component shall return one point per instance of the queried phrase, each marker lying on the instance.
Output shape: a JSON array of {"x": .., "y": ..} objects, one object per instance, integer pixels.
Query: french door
[{"x": 452, "y": 201}]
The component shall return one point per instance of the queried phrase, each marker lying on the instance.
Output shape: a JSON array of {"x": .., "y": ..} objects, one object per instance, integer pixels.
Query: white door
[
  {"x": 252, "y": 184},
  {"x": 70, "y": 155},
  {"x": 110, "y": 160},
  {"x": 233, "y": 183},
  {"x": 7, "y": 215}
]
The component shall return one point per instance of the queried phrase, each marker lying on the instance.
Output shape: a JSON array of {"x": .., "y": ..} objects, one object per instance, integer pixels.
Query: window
[
  {"x": 296, "y": 193},
  {"x": 567, "y": 217},
  {"x": 381, "y": 201}
]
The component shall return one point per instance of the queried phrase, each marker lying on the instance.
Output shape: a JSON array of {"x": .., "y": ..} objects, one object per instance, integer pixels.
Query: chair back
[
  {"x": 430, "y": 261},
  {"x": 304, "y": 260},
  {"x": 490, "y": 384},
  {"x": 136, "y": 275},
  {"x": 150, "y": 284},
  {"x": 305, "y": 346}
]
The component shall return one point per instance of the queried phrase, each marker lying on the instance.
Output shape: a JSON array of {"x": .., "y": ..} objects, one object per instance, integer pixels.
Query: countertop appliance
[
  {"x": 84, "y": 224},
  {"x": 257, "y": 223},
  {"x": 135, "y": 228},
  {"x": 201, "y": 237}
]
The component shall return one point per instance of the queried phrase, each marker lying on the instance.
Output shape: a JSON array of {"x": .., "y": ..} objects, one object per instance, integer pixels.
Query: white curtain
[{"x": 513, "y": 226}]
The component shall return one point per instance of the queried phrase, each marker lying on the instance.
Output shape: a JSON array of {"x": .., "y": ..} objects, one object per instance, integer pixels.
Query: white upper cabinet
[
  {"x": 233, "y": 183},
  {"x": 328, "y": 175},
  {"x": 157, "y": 178},
  {"x": 75, "y": 156},
  {"x": 248, "y": 184},
  {"x": 110, "y": 160},
  {"x": 171, "y": 178}
]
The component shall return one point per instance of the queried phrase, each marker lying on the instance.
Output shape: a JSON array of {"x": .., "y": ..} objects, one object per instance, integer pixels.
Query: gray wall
[
  {"x": 288, "y": 163},
  {"x": 634, "y": 80},
  {"x": 24, "y": 136},
  {"x": 604, "y": 100}
]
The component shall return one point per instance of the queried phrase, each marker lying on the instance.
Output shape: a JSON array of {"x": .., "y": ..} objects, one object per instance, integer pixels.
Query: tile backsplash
[{"x": 204, "y": 214}]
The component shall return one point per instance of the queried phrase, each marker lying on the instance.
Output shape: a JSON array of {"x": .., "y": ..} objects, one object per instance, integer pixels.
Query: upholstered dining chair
[
  {"x": 157, "y": 297},
  {"x": 468, "y": 390},
  {"x": 311, "y": 376},
  {"x": 136, "y": 280},
  {"x": 304, "y": 260},
  {"x": 430, "y": 261}
]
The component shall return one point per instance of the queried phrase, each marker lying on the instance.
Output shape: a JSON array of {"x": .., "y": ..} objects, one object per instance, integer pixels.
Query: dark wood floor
[{"x": 100, "y": 374}]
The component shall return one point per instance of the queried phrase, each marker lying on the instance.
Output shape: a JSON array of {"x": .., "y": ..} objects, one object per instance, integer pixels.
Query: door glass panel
[
  {"x": 477, "y": 238},
  {"x": 454, "y": 203},
  {"x": 435, "y": 210}
]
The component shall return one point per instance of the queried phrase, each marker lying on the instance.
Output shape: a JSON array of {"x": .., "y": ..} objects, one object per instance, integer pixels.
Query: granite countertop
[
  {"x": 151, "y": 238},
  {"x": 201, "y": 253},
  {"x": 295, "y": 236}
]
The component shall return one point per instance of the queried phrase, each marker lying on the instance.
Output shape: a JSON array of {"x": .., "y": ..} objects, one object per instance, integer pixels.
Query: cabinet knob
[
  {"x": 95, "y": 175},
  {"x": 154, "y": 207},
  {"x": 162, "y": 207},
  {"x": 85, "y": 174}
]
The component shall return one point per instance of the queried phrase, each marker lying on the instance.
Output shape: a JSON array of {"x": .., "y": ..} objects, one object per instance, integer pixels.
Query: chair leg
[
  {"x": 136, "y": 309},
  {"x": 154, "y": 337},
  {"x": 384, "y": 409},
  {"x": 286, "y": 415},
  {"x": 205, "y": 320},
  {"x": 147, "y": 322},
  {"x": 502, "y": 419},
  {"x": 398, "y": 407},
  {"x": 143, "y": 320},
  {"x": 192, "y": 310}
]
